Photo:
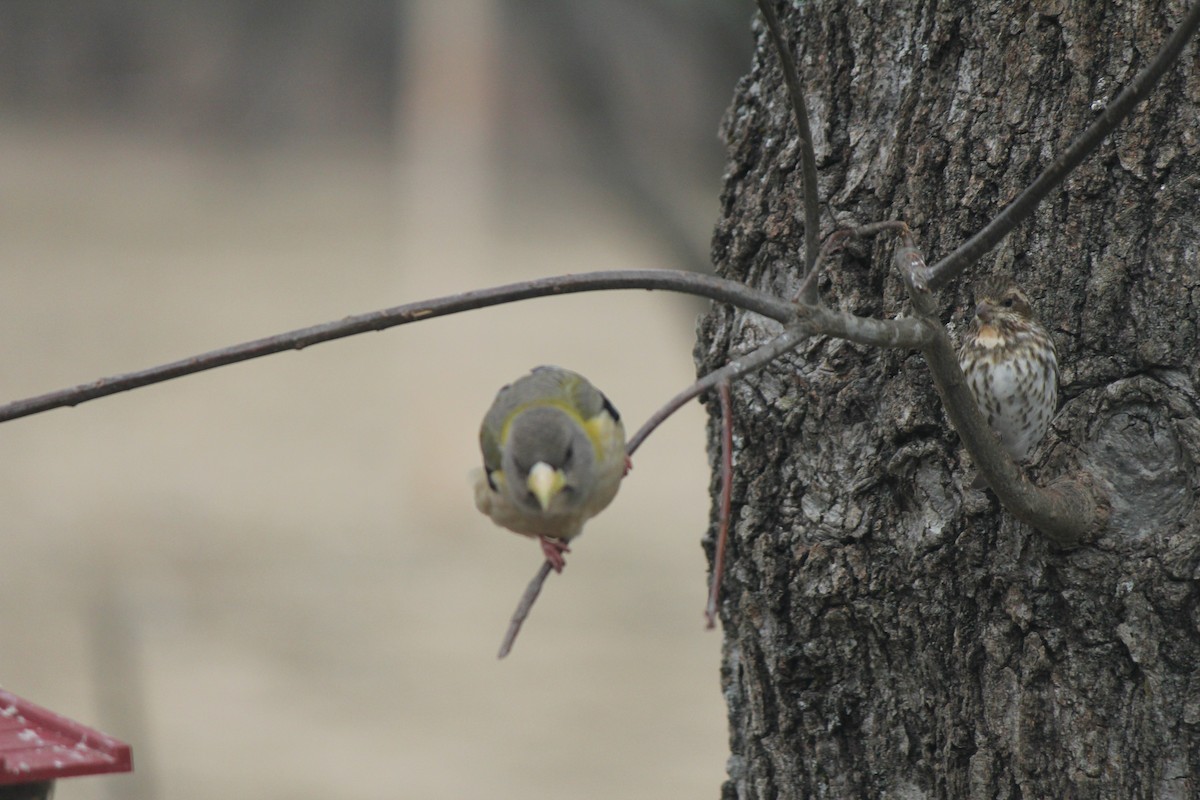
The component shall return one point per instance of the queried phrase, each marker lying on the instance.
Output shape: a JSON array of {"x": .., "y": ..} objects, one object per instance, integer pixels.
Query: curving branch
[
  {"x": 716, "y": 289},
  {"x": 883, "y": 333},
  {"x": 808, "y": 159},
  {"x": 902, "y": 333},
  {"x": 527, "y": 600},
  {"x": 733, "y": 371},
  {"x": 1084, "y": 145},
  {"x": 835, "y": 241}
]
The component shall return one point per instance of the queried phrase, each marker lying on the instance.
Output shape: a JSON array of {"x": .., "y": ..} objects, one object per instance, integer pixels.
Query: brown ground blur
[{"x": 270, "y": 578}]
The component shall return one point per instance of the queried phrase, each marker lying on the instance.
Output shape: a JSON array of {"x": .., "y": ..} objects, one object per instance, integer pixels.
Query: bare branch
[
  {"x": 527, "y": 600},
  {"x": 906, "y": 332},
  {"x": 808, "y": 288},
  {"x": 893, "y": 334},
  {"x": 726, "y": 510},
  {"x": 1113, "y": 115},
  {"x": 670, "y": 280},
  {"x": 808, "y": 159},
  {"x": 833, "y": 243},
  {"x": 734, "y": 370}
]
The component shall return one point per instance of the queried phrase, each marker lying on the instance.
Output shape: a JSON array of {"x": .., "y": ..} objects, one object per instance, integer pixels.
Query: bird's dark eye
[
  {"x": 569, "y": 454},
  {"x": 1008, "y": 302}
]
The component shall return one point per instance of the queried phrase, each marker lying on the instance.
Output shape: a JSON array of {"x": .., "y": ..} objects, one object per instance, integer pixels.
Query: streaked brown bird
[{"x": 1010, "y": 364}]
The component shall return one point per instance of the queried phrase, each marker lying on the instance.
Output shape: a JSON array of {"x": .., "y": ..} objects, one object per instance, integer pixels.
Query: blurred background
[{"x": 270, "y": 578}]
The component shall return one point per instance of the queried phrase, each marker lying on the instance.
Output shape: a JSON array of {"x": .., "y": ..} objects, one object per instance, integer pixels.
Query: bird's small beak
[
  {"x": 545, "y": 482},
  {"x": 983, "y": 310}
]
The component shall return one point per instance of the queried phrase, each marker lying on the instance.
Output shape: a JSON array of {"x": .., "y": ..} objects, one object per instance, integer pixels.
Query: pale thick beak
[{"x": 545, "y": 482}]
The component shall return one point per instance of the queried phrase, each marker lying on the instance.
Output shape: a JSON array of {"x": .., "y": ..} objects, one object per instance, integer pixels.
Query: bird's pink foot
[
  {"x": 628, "y": 466},
  {"x": 553, "y": 550}
]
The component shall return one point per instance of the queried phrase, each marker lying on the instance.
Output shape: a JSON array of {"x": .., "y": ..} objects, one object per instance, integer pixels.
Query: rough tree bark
[{"x": 890, "y": 632}]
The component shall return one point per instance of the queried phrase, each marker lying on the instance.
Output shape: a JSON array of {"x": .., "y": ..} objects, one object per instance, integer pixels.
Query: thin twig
[
  {"x": 808, "y": 159},
  {"x": 1113, "y": 115},
  {"x": 726, "y": 510},
  {"x": 903, "y": 333},
  {"x": 881, "y": 333},
  {"x": 518, "y": 618},
  {"x": 816, "y": 319},
  {"x": 734, "y": 370},
  {"x": 833, "y": 243},
  {"x": 671, "y": 280}
]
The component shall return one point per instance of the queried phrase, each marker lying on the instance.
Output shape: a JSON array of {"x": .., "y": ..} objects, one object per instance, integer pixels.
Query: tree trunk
[{"x": 889, "y": 631}]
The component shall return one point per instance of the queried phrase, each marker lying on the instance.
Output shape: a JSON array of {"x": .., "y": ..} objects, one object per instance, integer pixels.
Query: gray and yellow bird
[{"x": 553, "y": 457}]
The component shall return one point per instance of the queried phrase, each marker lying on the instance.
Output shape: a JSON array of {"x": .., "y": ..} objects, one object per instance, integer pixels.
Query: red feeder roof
[{"x": 38, "y": 745}]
